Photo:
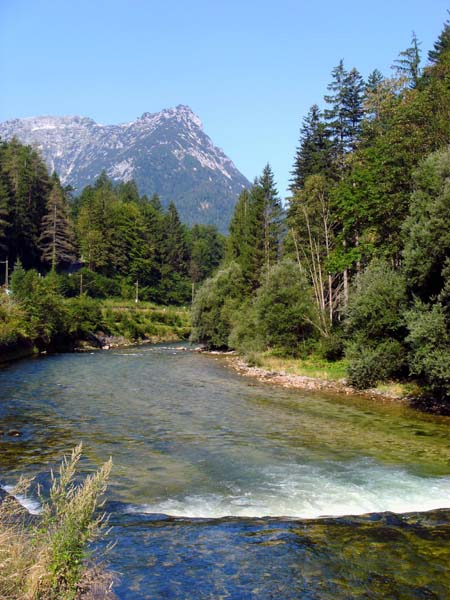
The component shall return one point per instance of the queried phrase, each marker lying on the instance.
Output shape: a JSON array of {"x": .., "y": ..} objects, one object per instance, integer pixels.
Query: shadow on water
[{"x": 191, "y": 439}]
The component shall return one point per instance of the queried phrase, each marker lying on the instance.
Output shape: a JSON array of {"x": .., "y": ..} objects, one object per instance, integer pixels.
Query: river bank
[
  {"x": 408, "y": 394},
  {"x": 117, "y": 324}
]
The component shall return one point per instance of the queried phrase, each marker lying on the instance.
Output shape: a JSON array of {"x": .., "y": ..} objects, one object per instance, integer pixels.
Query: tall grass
[{"x": 46, "y": 557}]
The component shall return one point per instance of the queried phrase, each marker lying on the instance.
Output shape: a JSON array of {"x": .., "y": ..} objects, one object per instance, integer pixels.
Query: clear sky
[{"x": 250, "y": 69}]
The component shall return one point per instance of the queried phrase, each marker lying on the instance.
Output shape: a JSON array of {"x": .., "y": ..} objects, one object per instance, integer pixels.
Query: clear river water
[{"x": 223, "y": 487}]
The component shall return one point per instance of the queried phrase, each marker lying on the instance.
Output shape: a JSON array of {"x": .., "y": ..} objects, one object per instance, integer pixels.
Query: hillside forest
[{"x": 354, "y": 266}]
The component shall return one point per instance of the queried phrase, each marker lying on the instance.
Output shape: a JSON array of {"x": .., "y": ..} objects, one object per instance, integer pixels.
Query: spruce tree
[
  {"x": 175, "y": 248},
  {"x": 408, "y": 63},
  {"x": 56, "y": 241},
  {"x": 346, "y": 112},
  {"x": 314, "y": 153},
  {"x": 441, "y": 46}
]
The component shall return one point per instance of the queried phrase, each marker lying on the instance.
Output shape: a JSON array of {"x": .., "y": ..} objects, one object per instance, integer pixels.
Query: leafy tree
[
  {"x": 429, "y": 341},
  {"x": 312, "y": 240},
  {"x": 375, "y": 325},
  {"x": 215, "y": 306},
  {"x": 286, "y": 316}
]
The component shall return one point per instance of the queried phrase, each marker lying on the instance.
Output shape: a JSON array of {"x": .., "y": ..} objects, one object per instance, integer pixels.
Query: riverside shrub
[
  {"x": 286, "y": 316},
  {"x": 215, "y": 306}
]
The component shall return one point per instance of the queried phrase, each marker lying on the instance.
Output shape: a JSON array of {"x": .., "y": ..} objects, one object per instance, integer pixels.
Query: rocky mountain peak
[{"x": 166, "y": 152}]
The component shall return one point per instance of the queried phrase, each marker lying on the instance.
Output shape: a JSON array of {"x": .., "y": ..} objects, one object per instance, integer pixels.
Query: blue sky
[{"x": 249, "y": 69}]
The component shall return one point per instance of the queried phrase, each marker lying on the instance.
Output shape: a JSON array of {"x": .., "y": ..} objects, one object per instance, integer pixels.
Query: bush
[
  {"x": 429, "y": 341},
  {"x": 331, "y": 348},
  {"x": 369, "y": 365},
  {"x": 244, "y": 335},
  {"x": 83, "y": 317},
  {"x": 285, "y": 310},
  {"x": 215, "y": 306},
  {"x": 13, "y": 327},
  {"x": 375, "y": 326},
  {"x": 45, "y": 559}
]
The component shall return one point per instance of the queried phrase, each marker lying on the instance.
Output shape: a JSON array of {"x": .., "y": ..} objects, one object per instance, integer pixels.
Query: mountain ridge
[{"x": 166, "y": 152}]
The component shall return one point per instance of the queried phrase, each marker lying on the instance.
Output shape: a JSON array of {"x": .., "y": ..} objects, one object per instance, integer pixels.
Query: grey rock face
[{"x": 166, "y": 152}]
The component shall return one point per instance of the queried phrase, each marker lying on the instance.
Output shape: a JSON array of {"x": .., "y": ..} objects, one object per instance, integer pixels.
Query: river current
[{"x": 223, "y": 487}]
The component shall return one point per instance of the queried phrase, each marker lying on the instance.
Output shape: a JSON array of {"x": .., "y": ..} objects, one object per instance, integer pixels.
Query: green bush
[
  {"x": 375, "y": 326},
  {"x": 331, "y": 348},
  {"x": 83, "y": 317},
  {"x": 285, "y": 310},
  {"x": 215, "y": 305},
  {"x": 429, "y": 342},
  {"x": 369, "y": 365}
]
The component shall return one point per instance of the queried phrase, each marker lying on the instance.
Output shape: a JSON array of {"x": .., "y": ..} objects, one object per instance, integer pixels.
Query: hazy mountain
[{"x": 166, "y": 152}]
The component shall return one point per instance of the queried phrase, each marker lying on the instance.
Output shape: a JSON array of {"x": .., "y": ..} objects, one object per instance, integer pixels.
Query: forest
[
  {"x": 354, "y": 266},
  {"x": 357, "y": 267}
]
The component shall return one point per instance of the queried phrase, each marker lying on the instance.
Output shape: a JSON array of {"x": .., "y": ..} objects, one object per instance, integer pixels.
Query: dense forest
[
  {"x": 358, "y": 265},
  {"x": 66, "y": 254}
]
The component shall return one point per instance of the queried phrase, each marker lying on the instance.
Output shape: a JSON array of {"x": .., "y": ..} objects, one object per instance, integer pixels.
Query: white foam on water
[
  {"x": 313, "y": 491},
  {"x": 32, "y": 506}
]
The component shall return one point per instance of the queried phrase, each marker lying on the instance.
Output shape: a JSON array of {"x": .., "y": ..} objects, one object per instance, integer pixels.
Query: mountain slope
[{"x": 166, "y": 152}]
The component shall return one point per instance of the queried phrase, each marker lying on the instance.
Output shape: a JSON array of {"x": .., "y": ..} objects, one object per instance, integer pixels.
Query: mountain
[{"x": 166, "y": 152}]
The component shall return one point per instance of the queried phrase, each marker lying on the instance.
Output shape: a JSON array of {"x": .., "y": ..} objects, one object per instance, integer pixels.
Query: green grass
[
  {"x": 313, "y": 366},
  {"x": 145, "y": 320}
]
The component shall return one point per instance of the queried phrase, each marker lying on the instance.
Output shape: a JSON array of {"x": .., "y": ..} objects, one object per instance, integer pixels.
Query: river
[{"x": 223, "y": 487}]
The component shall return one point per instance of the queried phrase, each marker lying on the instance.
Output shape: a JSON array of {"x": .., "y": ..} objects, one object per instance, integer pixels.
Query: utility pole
[
  {"x": 6, "y": 263},
  {"x": 137, "y": 292}
]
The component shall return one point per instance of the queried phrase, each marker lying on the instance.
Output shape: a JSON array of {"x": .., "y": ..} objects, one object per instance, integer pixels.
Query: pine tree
[
  {"x": 273, "y": 213},
  {"x": 442, "y": 44},
  {"x": 314, "y": 153},
  {"x": 175, "y": 248},
  {"x": 95, "y": 224},
  {"x": 408, "y": 63},
  {"x": 27, "y": 186},
  {"x": 346, "y": 112},
  {"x": 353, "y": 108},
  {"x": 335, "y": 115},
  {"x": 56, "y": 241}
]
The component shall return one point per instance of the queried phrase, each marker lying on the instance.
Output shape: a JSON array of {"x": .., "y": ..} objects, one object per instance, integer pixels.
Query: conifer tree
[
  {"x": 346, "y": 112},
  {"x": 442, "y": 44},
  {"x": 408, "y": 63},
  {"x": 27, "y": 186},
  {"x": 314, "y": 153},
  {"x": 272, "y": 216},
  {"x": 175, "y": 248},
  {"x": 56, "y": 241}
]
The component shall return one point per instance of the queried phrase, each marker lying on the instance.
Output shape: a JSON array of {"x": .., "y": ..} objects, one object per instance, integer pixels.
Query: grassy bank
[
  {"x": 47, "y": 322},
  {"x": 145, "y": 321},
  {"x": 322, "y": 370}
]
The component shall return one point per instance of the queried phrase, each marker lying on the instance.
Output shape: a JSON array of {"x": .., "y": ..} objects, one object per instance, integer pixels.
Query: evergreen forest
[{"x": 356, "y": 266}]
